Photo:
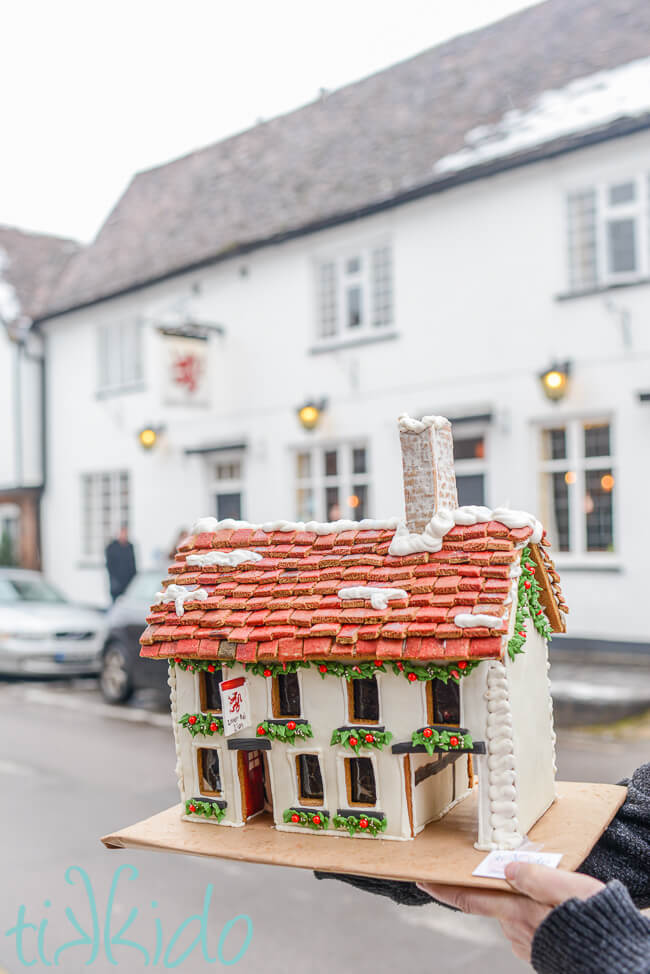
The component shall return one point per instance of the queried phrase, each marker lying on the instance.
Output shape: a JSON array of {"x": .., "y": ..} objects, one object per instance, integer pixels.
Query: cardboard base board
[{"x": 443, "y": 853}]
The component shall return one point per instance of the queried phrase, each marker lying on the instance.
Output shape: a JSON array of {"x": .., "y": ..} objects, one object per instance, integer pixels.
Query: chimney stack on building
[{"x": 428, "y": 465}]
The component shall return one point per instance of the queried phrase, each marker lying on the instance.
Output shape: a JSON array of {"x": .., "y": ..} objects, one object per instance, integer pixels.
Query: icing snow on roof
[
  {"x": 582, "y": 105},
  {"x": 321, "y": 591},
  {"x": 9, "y": 303}
]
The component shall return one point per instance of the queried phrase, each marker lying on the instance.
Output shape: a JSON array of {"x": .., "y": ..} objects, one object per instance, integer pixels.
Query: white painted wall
[{"x": 476, "y": 274}]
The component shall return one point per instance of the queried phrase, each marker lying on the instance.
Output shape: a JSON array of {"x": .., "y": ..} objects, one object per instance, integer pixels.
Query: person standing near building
[{"x": 120, "y": 562}]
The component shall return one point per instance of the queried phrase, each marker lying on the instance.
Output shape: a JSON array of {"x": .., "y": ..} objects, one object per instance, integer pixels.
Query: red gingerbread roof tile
[{"x": 284, "y": 602}]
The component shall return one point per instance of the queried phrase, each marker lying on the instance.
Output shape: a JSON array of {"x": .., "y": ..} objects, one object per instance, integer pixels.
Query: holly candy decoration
[
  {"x": 412, "y": 676},
  {"x": 363, "y": 823},
  {"x": 527, "y": 584},
  {"x": 191, "y": 720},
  {"x": 261, "y": 732},
  {"x": 213, "y": 727},
  {"x": 462, "y": 665},
  {"x": 369, "y": 738},
  {"x": 177, "y": 659},
  {"x": 353, "y": 741},
  {"x": 322, "y": 668},
  {"x": 455, "y": 673},
  {"x": 211, "y": 668},
  {"x": 316, "y": 820},
  {"x": 378, "y": 662},
  {"x": 267, "y": 672},
  {"x": 295, "y": 818},
  {"x": 192, "y": 808},
  {"x": 453, "y": 741},
  {"x": 400, "y": 666},
  {"x": 291, "y": 725},
  {"x": 427, "y": 732}
]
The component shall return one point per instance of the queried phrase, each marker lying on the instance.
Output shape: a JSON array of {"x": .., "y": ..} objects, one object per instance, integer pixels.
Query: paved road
[{"x": 72, "y": 769}]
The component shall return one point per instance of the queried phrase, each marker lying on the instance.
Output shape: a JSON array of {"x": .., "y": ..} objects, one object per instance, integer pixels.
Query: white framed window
[
  {"x": 578, "y": 486},
  {"x": 120, "y": 364},
  {"x": 608, "y": 233},
  {"x": 355, "y": 293},
  {"x": 332, "y": 482},
  {"x": 470, "y": 463},
  {"x": 106, "y": 507},
  {"x": 228, "y": 485}
]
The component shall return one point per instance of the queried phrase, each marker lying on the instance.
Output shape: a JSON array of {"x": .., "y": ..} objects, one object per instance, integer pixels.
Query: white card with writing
[
  {"x": 235, "y": 705},
  {"x": 494, "y": 864}
]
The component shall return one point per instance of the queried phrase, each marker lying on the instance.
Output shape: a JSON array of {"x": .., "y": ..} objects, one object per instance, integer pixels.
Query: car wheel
[{"x": 115, "y": 679}]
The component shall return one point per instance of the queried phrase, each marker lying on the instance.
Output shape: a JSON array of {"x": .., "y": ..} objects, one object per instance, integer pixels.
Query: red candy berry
[
  {"x": 191, "y": 669},
  {"x": 527, "y": 584},
  {"x": 295, "y": 818},
  {"x": 316, "y": 820},
  {"x": 453, "y": 741},
  {"x": 411, "y": 676},
  {"x": 192, "y": 808},
  {"x": 177, "y": 659},
  {"x": 191, "y": 720},
  {"x": 400, "y": 666},
  {"x": 462, "y": 665},
  {"x": 211, "y": 668},
  {"x": 291, "y": 725},
  {"x": 455, "y": 674},
  {"x": 369, "y": 738},
  {"x": 539, "y": 612},
  {"x": 267, "y": 672},
  {"x": 427, "y": 732},
  {"x": 213, "y": 727},
  {"x": 378, "y": 662},
  {"x": 322, "y": 668},
  {"x": 357, "y": 669},
  {"x": 353, "y": 741},
  {"x": 522, "y": 633},
  {"x": 363, "y": 823},
  {"x": 261, "y": 732}
]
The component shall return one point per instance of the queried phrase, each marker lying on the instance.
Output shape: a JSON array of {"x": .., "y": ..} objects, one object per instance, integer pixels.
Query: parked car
[
  {"x": 122, "y": 669},
  {"x": 41, "y": 632}
]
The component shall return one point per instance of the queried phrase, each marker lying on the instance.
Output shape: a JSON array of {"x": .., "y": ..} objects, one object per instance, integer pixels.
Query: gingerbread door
[{"x": 251, "y": 775}]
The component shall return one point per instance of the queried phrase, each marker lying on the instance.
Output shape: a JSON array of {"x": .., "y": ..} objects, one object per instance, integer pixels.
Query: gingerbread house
[{"x": 360, "y": 678}]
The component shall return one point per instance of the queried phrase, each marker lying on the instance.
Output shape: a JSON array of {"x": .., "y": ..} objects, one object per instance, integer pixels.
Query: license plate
[{"x": 59, "y": 657}]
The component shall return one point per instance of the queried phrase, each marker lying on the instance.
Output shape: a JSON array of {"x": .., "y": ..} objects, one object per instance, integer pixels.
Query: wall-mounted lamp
[
  {"x": 310, "y": 414},
  {"x": 148, "y": 436},
  {"x": 555, "y": 381}
]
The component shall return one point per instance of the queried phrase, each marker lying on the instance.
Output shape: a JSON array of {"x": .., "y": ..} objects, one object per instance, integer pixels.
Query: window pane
[
  {"x": 310, "y": 780},
  {"x": 332, "y": 505},
  {"x": 359, "y": 460},
  {"x": 353, "y": 265},
  {"x": 599, "y": 489},
  {"x": 327, "y": 324},
  {"x": 362, "y": 781},
  {"x": 211, "y": 692},
  {"x": 469, "y": 448},
  {"x": 210, "y": 778},
  {"x": 358, "y": 502},
  {"x": 555, "y": 506},
  {"x": 554, "y": 444},
  {"x": 471, "y": 489},
  {"x": 365, "y": 700},
  {"x": 331, "y": 463},
  {"x": 305, "y": 509},
  {"x": 581, "y": 213},
  {"x": 446, "y": 702},
  {"x": 303, "y": 465},
  {"x": 621, "y": 245},
  {"x": 597, "y": 440},
  {"x": 622, "y": 193},
  {"x": 229, "y": 505},
  {"x": 353, "y": 306},
  {"x": 382, "y": 286},
  {"x": 288, "y": 695}
]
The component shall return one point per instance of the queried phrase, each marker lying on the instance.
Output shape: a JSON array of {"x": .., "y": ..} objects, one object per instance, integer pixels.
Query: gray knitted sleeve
[{"x": 604, "y": 934}]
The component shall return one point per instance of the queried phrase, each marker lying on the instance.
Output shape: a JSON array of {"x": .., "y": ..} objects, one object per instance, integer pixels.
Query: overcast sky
[{"x": 95, "y": 90}]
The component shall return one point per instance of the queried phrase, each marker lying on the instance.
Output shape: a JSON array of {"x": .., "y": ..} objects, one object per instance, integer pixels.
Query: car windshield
[
  {"x": 144, "y": 586},
  {"x": 27, "y": 588}
]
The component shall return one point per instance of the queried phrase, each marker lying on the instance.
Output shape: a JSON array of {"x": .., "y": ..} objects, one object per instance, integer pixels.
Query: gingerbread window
[
  {"x": 286, "y": 695},
  {"x": 209, "y": 690},
  {"x": 360, "y": 780},
  {"x": 443, "y": 703},
  {"x": 310, "y": 779},
  {"x": 363, "y": 701},
  {"x": 209, "y": 771}
]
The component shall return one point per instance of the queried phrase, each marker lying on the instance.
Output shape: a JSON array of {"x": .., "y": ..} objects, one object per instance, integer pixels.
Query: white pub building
[{"x": 466, "y": 233}]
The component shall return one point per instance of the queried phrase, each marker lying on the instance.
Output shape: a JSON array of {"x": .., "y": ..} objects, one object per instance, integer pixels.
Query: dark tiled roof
[
  {"x": 286, "y": 606},
  {"x": 35, "y": 262},
  {"x": 367, "y": 143}
]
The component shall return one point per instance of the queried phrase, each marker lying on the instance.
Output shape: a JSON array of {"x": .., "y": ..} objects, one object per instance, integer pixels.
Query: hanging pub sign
[
  {"x": 235, "y": 705},
  {"x": 185, "y": 370}
]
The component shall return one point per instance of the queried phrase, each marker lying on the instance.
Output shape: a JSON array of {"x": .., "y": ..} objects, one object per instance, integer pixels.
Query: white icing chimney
[{"x": 428, "y": 465}]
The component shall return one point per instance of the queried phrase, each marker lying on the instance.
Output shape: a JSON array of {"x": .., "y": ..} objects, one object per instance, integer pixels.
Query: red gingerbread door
[{"x": 251, "y": 774}]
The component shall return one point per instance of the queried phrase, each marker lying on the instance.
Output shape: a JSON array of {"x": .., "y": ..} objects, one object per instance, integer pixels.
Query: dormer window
[
  {"x": 443, "y": 702},
  {"x": 286, "y": 695},
  {"x": 363, "y": 701},
  {"x": 209, "y": 690}
]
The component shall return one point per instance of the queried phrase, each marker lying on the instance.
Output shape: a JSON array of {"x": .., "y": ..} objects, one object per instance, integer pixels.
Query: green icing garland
[
  {"x": 528, "y": 605},
  {"x": 286, "y": 731},
  {"x": 434, "y": 740},
  {"x": 364, "y": 824},
  {"x": 310, "y": 820},
  {"x": 357, "y": 738},
  {"x": 193, "y": 806},
  {"x": 207, "y": 724}
]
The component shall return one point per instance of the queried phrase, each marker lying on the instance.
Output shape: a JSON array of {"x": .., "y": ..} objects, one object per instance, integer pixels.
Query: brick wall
[{"x": 429, "y": 477}]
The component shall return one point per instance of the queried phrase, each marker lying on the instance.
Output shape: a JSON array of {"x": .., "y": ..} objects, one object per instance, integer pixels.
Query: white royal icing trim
[
  {"x": 465, "y": 620},
  {"x": 224, "y": 559},
  {"x": 407, "y": 424},
  {"x": 208, "y": 525},
  {"x": 502, "y": 777},
  {"x": 379, "y": 597},
  {"x": 407, "y": 543},
  {"x": 179, "y": 595}
]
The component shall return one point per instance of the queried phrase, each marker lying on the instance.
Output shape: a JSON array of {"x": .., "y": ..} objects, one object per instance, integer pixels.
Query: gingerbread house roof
[{"x": 320, "y": 591}]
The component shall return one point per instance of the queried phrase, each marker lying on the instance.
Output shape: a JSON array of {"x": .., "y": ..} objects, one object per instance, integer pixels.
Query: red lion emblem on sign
[{"x": 186, "y": 371}]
